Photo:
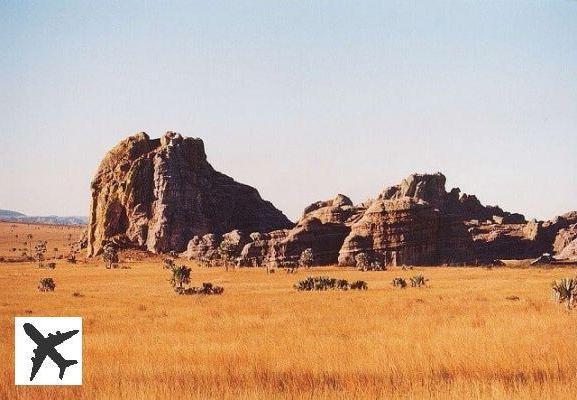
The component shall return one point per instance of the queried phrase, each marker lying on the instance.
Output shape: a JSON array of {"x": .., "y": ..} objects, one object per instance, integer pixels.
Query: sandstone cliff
[{"x": 157, "y": 194}]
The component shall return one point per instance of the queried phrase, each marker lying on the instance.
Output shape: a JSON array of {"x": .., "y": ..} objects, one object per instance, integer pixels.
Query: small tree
[
  {"x": 180, "y": 276},
  {"x": 307, "y": 258},
  {"x": 39, "y": 251},
  {"x": 110, "y": 256},
  {"x": 362, "y": 261},
  {"x": 227, "y": 251}
]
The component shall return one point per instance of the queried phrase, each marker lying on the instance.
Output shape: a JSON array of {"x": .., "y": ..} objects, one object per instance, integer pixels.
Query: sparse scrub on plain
[
  {"x": 468, "y": 342},
  {"x": 181, "y": 276}
]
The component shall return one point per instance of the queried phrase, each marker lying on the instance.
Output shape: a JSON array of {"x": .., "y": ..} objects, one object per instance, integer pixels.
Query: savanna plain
[{"x": 471, "y": 333}]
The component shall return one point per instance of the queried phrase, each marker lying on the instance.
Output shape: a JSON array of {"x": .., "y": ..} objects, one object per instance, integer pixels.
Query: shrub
[
  {"x": 418, "y": 281},
  {"x": 359, "y": 285},
  {"x": 180, "y": 276},
  {"x": 565, "y": 291},
  {"x": 400, "y": 283},
  {"x": 307, "y": 258},
  {"x": 39, "y": 251},
  {"x": 321, "y": 283},
  {"x": 290, "y": 267},
  {"x": 168, "y": 263},
  {"x": 71, "y": 257},
  {"x": 342, "y": 284},
  {"x": 366, "y": 263},
  {"x": 110, "y": 256},
  {"x": 227, "y": 251},
  {"x": 49, "y": 265},
  {"x": 46, "y": 285},
  {"x": 207, "y": 289},
  {"x": 362, "y": 261}
]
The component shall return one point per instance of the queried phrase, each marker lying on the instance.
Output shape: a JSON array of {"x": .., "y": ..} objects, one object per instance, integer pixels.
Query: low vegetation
[
  {"x": 110, "y": 256},
  {"x": 181, "y": 276},
  {"x": 400, "y": 283},
  {"x": 565, "y": 291},
  {"x": 365, "y": 263},
  {"x": 39, "y": 252},
  {"x": 307, "y": 258},
  {"x": 322, "y": 283},
  {"x": 46, "y": 285},
  {"x": 465, "y": 340},
  {"x": 418, "y": 281}
]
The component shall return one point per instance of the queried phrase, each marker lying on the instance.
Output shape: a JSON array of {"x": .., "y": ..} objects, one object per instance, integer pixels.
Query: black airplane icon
[{"x": 46, "y": 347}]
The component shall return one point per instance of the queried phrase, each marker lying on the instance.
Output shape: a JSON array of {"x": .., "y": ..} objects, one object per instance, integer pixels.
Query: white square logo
[{"x": 48, "y": 350}]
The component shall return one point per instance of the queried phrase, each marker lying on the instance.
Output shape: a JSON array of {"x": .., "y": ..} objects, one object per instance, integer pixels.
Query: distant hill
[
  {"x": 10, "y": 214},
  {"x": 14, "y": 216}
]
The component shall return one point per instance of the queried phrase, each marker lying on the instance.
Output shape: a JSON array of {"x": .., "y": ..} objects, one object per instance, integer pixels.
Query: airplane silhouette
[{"x": 46, "y": 347}]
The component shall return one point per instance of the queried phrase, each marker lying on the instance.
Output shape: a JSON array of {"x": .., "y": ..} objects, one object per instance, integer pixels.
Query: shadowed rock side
[
  {"x": 416, "y": 222},
  {"x": 157, "y": 194}
]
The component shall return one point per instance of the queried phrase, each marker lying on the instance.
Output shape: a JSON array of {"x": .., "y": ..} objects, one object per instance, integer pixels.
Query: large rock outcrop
[
  {"x": 157, "y": 194},
  {"x": 416, "y": 222}
]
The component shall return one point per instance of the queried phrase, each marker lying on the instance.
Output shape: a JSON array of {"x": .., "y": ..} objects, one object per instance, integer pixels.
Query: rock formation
[
  {"x": 416, "y": 222},
  {"x": 161, "y": 195},
  {"x": 157, "y": 194}
]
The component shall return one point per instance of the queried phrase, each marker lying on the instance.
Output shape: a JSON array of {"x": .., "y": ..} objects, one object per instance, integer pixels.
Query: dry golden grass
[
  {"x": 15, "y": 235},
  {"x": 460, "y": 338}
]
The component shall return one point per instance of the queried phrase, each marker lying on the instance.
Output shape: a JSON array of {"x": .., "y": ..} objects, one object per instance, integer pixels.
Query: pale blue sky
[{"x": 302, "y": 100}]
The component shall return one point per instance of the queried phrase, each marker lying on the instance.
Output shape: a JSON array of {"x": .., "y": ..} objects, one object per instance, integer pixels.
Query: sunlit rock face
[{"x": 157, "y": 194}]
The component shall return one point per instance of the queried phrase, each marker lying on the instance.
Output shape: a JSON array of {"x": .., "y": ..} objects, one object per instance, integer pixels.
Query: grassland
[
  {"x": 458, "y": 338},
  {"x": 16, "y": 244}
]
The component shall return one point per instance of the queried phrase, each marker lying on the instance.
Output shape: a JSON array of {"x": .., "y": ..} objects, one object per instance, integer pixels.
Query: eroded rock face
[
  {"x": 416, "y": 222},
  {"x": 397, "y": 230},
  {"x": 157, "y": 194}
]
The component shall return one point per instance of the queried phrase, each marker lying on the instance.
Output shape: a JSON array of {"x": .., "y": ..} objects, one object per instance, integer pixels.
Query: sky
[{"x": 300, "y": 99}]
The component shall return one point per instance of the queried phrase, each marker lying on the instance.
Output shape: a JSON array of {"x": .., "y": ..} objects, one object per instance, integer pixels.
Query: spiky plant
[
  {"x": 418, "y": 281},
  {"x": 359, "y": 285},
  {"x": 342, "y": 284},
  {"x": 46, "y": 285},
  {"x": 565, "y": 291},
  {"x": 399, "y": 283}
]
